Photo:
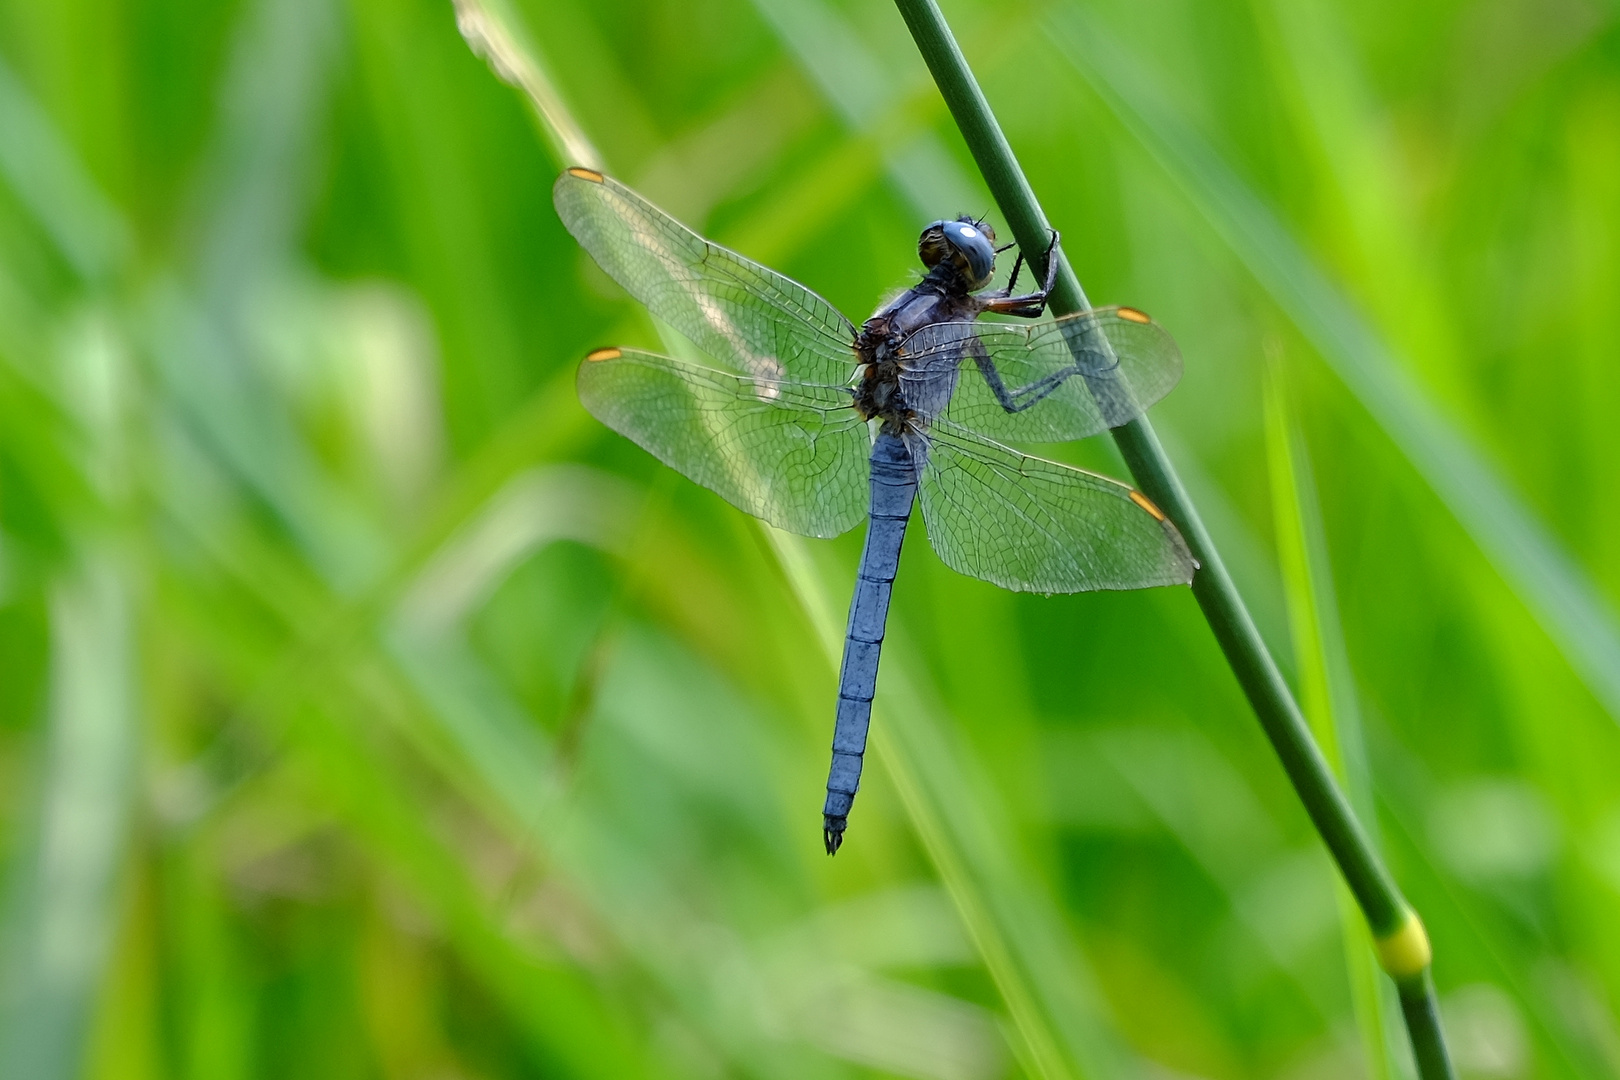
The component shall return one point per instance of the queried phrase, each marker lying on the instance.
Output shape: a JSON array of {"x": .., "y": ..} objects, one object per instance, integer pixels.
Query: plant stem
[
  {"x": 1403, "y": 947},
  {"x": 1423, "y": 1025}
]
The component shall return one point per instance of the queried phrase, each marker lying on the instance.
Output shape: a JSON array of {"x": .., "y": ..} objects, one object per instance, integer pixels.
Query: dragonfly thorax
[
  {"x": 941, "y": 297},
  {"x": 879, "y": 395}
]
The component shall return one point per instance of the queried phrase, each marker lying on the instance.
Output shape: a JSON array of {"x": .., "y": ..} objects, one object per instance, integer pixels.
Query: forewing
[
  {"x": 745, "y": 316},
  {"x": 792, "y": 454},
  {"x": 1063, "y": 378},
  {"x": 1037, "y": 526}
]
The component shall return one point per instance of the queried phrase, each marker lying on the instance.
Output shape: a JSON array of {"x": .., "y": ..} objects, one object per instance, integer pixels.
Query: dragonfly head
[{"x": 966, "y": 244}]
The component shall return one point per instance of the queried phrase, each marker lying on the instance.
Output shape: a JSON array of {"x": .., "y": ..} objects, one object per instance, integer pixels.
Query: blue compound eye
[
  {"x": 977, "y": 249},
  {"x": 968, "y": 245}
]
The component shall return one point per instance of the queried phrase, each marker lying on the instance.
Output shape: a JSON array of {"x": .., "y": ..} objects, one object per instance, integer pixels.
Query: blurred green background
[{"x": 367, "y": 710}]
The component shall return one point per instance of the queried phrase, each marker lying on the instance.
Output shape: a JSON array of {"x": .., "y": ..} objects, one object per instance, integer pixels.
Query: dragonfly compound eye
[
  {"x": 931, "y": 245},
  {"x": 968, "y": 244}
]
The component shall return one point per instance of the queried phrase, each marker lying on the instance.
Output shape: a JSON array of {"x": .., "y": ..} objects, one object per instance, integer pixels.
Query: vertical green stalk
[
  {"x": 1399, "y": 937},
  {"x": 60, "y": 924},
  {"x": 1323, "y": 676}
]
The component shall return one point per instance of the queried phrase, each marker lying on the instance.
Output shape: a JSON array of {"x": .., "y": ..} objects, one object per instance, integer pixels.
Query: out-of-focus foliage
[{"x": 366, "y": 710}]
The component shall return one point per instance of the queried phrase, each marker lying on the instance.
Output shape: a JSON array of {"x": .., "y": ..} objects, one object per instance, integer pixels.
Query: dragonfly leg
[
  {"x": 1030, "y": 305},
  {"x": 1051, "y": 264},
  {"x": 1012, "y": 281},
  {"x": 1023, "y": 397}
]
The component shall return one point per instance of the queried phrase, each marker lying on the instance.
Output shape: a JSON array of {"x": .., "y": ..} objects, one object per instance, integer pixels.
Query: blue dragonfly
[{"x": 812, "y": 424}]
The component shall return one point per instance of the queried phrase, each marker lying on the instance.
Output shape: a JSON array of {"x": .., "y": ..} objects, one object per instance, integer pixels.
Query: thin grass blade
[
  {"x": 63, "y": 907},
  {"x": 1326, "y": 694},
  {"x": 49, "y": 179},
  {"x": 496, "y": 33}
]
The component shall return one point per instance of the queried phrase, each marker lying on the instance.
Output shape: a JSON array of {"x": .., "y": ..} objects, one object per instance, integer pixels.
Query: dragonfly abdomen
[{"x": 894, "y": 487}]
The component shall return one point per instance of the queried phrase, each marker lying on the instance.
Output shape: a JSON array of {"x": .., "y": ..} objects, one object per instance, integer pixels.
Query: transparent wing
[
  {"x": 747, "y": 317},
  {"x": 1049, "y": 381},
  {"x": 1037, "y": 526},
  {"x": 792, "y": 454}
]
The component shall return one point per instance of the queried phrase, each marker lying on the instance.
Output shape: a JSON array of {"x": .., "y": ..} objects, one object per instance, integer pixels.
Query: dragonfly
[{"x": 806, "y": 421}]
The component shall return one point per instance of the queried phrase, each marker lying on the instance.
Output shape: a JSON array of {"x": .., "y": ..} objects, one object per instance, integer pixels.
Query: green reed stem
[
  {"x": 1422, "y": 1014},
  {"x": 1401, "y": 943}
]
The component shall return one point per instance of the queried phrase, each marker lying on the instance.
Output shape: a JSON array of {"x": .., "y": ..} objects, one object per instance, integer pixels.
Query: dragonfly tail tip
[{"x": 833, "y": 834}]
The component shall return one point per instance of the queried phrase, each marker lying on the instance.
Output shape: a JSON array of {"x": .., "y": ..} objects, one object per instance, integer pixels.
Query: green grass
[{"x": 350, "y": 676}]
